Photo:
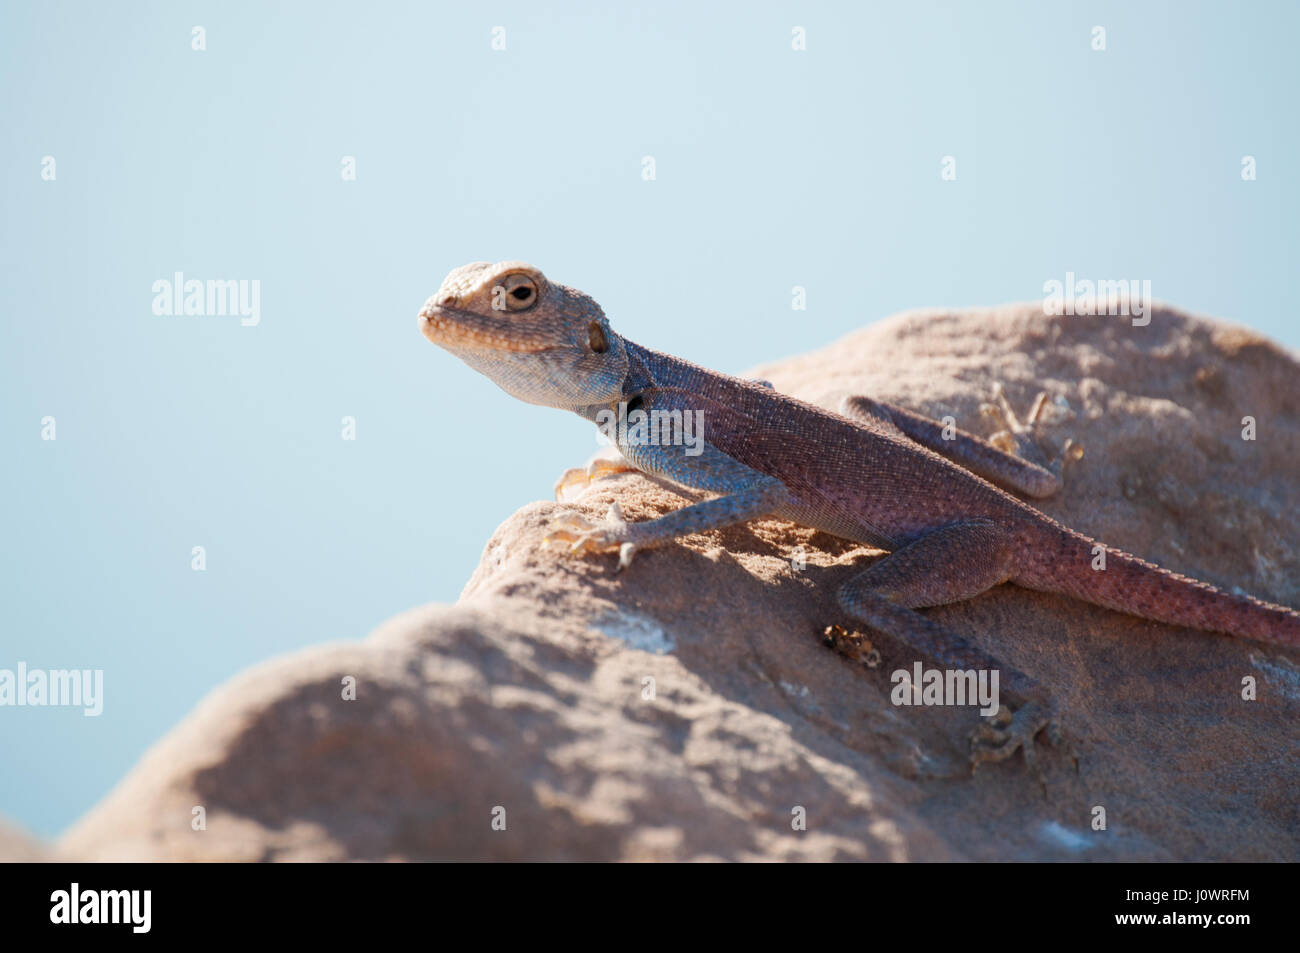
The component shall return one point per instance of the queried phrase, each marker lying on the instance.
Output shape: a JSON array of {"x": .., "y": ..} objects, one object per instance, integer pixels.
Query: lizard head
[{"x": 539, "y": 341}]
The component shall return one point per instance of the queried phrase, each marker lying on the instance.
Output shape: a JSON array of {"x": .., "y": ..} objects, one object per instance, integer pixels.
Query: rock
[
  {"x": 687, "y": 708},
  {"x": 19, "y": 847}
]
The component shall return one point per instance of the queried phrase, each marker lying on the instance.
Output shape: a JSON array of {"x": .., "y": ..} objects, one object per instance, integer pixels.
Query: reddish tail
[{"x": 1062, "y": 561}]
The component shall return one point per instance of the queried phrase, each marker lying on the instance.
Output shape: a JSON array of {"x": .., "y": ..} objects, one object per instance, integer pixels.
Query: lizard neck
[
  {"x": 641, "y": 363},
  {"x": 640, "y": 368}
]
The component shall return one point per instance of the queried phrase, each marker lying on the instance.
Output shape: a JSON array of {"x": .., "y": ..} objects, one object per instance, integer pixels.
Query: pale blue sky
[{"x": 775, "y": 168}]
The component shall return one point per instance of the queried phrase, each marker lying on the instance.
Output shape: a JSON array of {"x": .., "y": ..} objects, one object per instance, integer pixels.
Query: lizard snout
[
  {"x": 429, "y": 316},
  {"x": 443, "y": 299}
]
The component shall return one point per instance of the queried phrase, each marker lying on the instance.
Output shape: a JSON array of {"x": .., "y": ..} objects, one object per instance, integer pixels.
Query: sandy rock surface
[{"x": 687, "y": 708}]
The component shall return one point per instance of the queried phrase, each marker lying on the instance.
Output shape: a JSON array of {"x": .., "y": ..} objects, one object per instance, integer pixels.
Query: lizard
[{"x": 942, "y": 504}]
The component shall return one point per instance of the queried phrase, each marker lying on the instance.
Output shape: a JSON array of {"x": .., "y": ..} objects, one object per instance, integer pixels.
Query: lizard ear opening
[{"x": 596, "y": 338}]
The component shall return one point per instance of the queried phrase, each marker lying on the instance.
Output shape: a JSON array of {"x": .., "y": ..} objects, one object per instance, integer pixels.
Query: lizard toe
[
  {"x": 1022, "y": 439},
  {"x": 625, "y": 554},
  {"x": 1004, "y": 734},
  {"x": 575, "y": 481},
  {"x": 573, "y": 477},
  {"x": 584, "y": 535}
]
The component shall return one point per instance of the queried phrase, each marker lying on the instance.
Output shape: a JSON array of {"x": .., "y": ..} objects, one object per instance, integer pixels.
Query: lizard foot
[
  {"x": 589, "y": 536},
  {"x": 1021, "y": 439},
  {"x": 575, "y": 480},
  {"x": 998, "y": 738}
]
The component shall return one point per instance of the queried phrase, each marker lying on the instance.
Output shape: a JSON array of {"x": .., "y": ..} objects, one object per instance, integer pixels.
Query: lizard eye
[
  {"x": 521, "y": 292},
  {"x": 596, "y": 338}
]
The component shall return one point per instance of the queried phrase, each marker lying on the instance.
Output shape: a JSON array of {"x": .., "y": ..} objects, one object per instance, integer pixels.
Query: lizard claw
[
  {"x": 572, "y": 477},
  {"x": 1021, "y": 439},
  {"x": 589, "y": 536},
  {"x": 582, "y": 477},
  {"x": 999, "y": 737}
]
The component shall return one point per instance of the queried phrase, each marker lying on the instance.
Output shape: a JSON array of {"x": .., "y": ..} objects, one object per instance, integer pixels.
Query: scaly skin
[{"x": 875, "y": 474}]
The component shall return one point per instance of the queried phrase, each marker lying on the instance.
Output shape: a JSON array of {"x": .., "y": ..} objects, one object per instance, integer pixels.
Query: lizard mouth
[{"x": 453, "y": 328}]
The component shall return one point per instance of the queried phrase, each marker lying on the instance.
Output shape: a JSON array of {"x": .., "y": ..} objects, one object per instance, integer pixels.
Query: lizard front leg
[
  {"x": 616, "y": 534},
  {"x": 951, "y": 564},
  {"x": 745, "y": 494}
]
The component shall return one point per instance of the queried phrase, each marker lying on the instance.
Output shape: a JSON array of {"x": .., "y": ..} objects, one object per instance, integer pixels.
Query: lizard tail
[{"x": 1070, "y": 563}]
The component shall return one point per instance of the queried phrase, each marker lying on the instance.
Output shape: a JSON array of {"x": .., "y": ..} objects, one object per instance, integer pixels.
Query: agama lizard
[{"x": 873, "y": 473}]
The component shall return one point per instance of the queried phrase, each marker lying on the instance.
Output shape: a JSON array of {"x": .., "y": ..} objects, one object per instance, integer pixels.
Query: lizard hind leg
[
  {"x": 951, "y": 564},
  {"x": 1011, "y": 459}
]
